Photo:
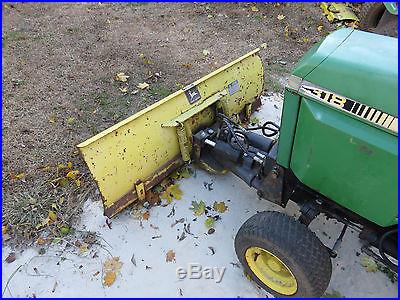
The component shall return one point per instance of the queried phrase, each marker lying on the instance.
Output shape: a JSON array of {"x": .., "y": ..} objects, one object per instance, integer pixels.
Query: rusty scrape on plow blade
[{"x": 131, "y": 157}]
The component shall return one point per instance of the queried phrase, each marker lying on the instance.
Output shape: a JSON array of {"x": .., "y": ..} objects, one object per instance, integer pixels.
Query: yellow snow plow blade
[{"x": 131, "y": 157}]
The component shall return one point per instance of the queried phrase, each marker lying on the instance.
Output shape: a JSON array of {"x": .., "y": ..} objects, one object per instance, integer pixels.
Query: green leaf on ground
[
  {"x": 198, "y": 207},
  {"x": 369, "y": 264},
  {"x": 209, "y": 222},
  {"x": 172, "y": 192}
]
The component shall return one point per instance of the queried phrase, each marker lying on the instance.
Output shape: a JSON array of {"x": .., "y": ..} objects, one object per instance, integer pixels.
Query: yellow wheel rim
[{"x": 271, "y": 271}]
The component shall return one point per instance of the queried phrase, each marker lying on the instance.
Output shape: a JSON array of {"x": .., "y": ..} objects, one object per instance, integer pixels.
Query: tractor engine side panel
[{"x": 346, "y": 160}]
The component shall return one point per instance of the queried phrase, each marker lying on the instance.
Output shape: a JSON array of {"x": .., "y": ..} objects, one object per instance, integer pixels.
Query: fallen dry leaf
[
  {"x": 52, "y": 119},
  {"x": 52, "y": 216},
  {"x": 42, "y": 224},
  {"x": 320, "y": 27},
  {"x": 70, "y": 121},
  {"x": 19, "y": 176},
  {"x": 220, "y": 207},
  {"x": 198, "y": 208},
  {"x": 187, "y": 66},
  {"x": 263, "y": 46},
  {"x": 145, "y": 59},
  {"x": 143, "y": 85},
  {"x": 62, "y": 166},
  {"x": 84, "y": 247},
  {"x": 41, "y": 241},
  {"x": 111, "y": 268},
  {"x": 353, "y": 24},
  {"x": 121, "y": 77},
  {"x": 10, "y": 258},
  {"x": 206, "y": 52},
  {"x": 209, "y": 222},
  {"x": 72, "y": 174},
  {"x": 62, "y": 181},
  {"x": 124, "y": 90},
  {"x": 170, "y": 256},
  {"x": 172, "y": 192},
  {"x": 286, "y": 31},
  {"x": 46, "y": 168},
  {"x": 280, "y": 17},
  {"x": 78, "y": 182},
  {"x": 109, "y": 278},
  {"x": 184, "y": 172},
  {"x": 254, "y": 9},
  {"x": 146, "y": 215}
]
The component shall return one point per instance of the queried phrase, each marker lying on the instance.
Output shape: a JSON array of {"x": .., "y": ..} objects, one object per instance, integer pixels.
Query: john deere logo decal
[
  {"x": 192, "y": 93},
  {"x": 355, "y": 108}
]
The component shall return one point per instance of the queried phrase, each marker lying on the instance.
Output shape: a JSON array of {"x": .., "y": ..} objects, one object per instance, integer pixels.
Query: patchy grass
[
  {"x": 13, "y": 36},
  {"x": 278, "y": 68},
  {"x": 158, "y": 91},
  {"x": 17, "y": 82},
  {"x": 48, "y": 208},
  {"x": 273, "y": 85}
]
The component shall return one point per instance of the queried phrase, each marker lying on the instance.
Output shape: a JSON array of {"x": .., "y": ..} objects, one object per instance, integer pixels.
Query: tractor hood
[{"x": 355, "y": 64}]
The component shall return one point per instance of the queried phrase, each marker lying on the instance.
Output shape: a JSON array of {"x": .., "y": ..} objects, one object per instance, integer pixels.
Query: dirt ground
[{"x": 59, "y": 65}]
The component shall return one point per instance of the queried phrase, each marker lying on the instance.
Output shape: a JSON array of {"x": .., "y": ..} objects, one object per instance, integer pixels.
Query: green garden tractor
[{"x": 334, "y": 154}]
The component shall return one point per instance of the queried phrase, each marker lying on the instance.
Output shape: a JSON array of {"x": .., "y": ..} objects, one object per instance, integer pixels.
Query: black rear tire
[{"x": 292, "y": 243}]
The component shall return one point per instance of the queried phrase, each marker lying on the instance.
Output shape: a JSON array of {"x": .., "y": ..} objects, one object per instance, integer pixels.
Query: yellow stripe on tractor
[{"x": 131, "y": 157}]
